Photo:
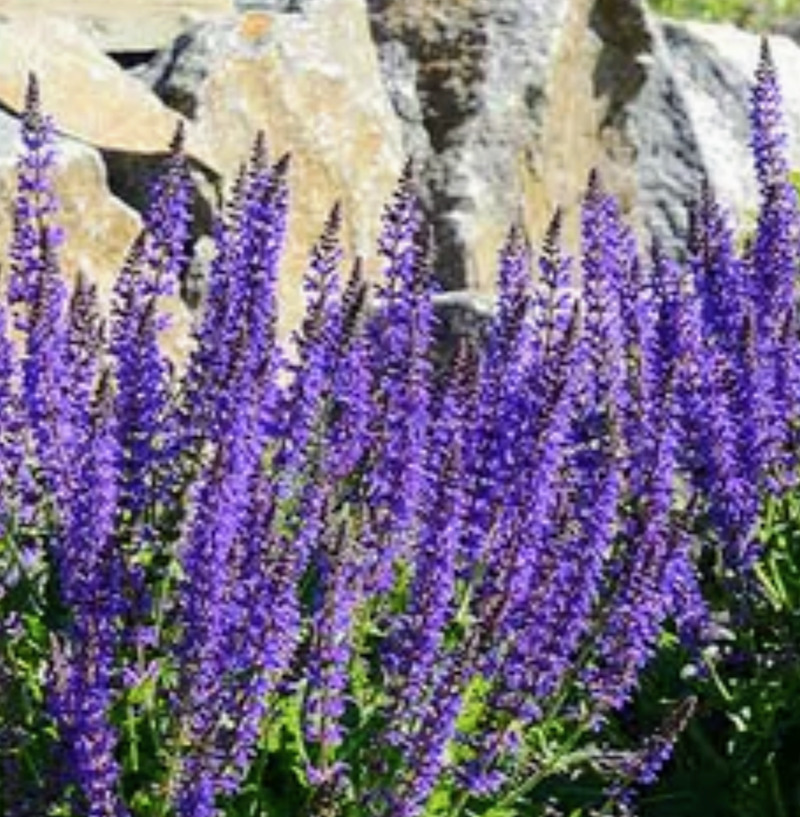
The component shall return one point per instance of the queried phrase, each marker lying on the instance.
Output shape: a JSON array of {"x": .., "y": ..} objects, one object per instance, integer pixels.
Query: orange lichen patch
[{"x": 254, "y": 26}]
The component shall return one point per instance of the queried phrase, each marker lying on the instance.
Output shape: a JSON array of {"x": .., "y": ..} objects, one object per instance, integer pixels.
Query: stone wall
[{"x": 504, "y": 106}]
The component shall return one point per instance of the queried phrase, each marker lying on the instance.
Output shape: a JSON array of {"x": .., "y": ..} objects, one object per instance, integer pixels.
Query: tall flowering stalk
[
  {"x": 219, "y": 508},
  {"x": 400, "y": 335},
  {"x": 37, "y": 297},
  {"x": 12, "y": 426},
  {"x": 154, "y": 266},
  {"x": 235, "y": 338},
  {"x": 773, "y": 263},
  {"x": 491, "y": 443},
  {"x": 230, "y": 560},
  {"x": 594, "y": 469},
  {"x": 91, "y": 579},
  {"x": 420, "y": 592}
]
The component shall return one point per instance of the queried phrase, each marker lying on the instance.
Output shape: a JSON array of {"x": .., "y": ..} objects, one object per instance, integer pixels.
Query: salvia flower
[
  {"x": 11, "y": 426},
  {"x": 400, "y": 336},
  {"x": 37, "y": 297},
  {"x": 35, "y": 232},
  {"x": 768, "y": 136},
  {"x": 404, "y": 585},
  {"x": 91, "y": 574}
]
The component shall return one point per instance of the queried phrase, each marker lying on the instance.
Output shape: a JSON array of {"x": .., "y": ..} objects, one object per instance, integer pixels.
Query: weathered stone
[
  {"x": 311, "y": 82},
  {"x": 688, "y": 121},
  {"x": 506, "y": 105},
  {"x": 98, "y": 228},
  {"x": 502, "y": 107},
  {"x": 646, "y": 131},
  {"x": 713, "y": 68},
  {"x": 94, "y": 101},
  {"x": 100, "y": 113},
  {"x": 462, "y": 317},
  {"x": 123, "y": 26},
  {"x": 85, "y": 91}
]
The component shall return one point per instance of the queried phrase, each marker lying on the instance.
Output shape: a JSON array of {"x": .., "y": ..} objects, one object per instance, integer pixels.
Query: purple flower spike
[
  {"x": 35, "y": 234},
  {"x": 11, "y": 427},
  {"x": 235, "y": 341},
  {"x": 331, "y": 647},
  {"x": 90, "y": 580},
  {"x": 142, "y": 374},
  {"x": 37, "y": 297},
  {"x": 168, "y": 221},
  {"x": 400, "y": 335},
  {"x": 768, "y": 139},
  {"x": 318, "y": 348}
]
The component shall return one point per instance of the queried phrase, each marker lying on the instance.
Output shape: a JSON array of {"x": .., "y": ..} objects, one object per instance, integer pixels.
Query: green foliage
[
  {"x": 740, "y": 755},
  {"x": 757, "y": 14}
]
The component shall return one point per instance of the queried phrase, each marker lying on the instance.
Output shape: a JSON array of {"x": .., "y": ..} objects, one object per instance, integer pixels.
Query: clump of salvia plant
[{"x": 326, "y": 579}]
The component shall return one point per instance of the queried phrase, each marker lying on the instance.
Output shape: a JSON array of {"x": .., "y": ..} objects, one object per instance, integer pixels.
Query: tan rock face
[
  {"x": 86, "y": 92},
  {"x": 123, "y": 25},
  {"x": 98, "y": 228},
  {"x": 555, "y": 167},
  {"x": 311, "y": 82},
  {"x": 505, "y": 105}
]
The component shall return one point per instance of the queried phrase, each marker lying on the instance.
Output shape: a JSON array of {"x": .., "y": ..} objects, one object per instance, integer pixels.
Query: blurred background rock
[{"x": 503, "y": 105}]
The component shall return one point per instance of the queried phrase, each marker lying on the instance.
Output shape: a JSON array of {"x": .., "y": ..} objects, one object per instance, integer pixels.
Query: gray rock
[
  {"x": 691, "y": 121},
  {"x": 506, "y": 105},
  {"x": 123, "y": 27},
  {"x": 462, "y": 316},
  {"x": 468, "y": 81},
  {"x": 243, "y": 6},
  {"x": 648, "y": 128},
  {"x": 175, "y": 73}
]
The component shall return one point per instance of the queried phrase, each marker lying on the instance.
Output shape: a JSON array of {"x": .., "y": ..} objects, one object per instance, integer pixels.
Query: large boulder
[
  {"x": 123, "y": 27},
  {"x": 472, "y": 83},
  {"x": 92, "y": 101},
  {"x": 307, "y": 75},
  {"x": 90, "y": 97},
  {"x": 504, "y": 105},
  {"x": 709, "y": 70},
  {"x": 507, "y": 104},
  {"x": 281, "y": 72},
  {"x": 688, "y": 120}
]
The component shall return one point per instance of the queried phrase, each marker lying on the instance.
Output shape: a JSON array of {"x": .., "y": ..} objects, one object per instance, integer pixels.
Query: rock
[
  {"x": 507, "y": 104},
  {"x": 647, "y": 132},
  {"x": 123, "y": 27},
  {"x": 99, "y": 112},
  {"x": 461, "y": 78},
  {"x": 86, "y": 92},
  {"x": 92, "y": 100},
  {"x": 504, "y": 104},
  {"x": 98, "y": 228},
  {"x": 461, "y": 316},
  {"x": 310, "y": 80},
  {"x": 689, "y": 120},
  {"x": 712, "y": 69}
]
